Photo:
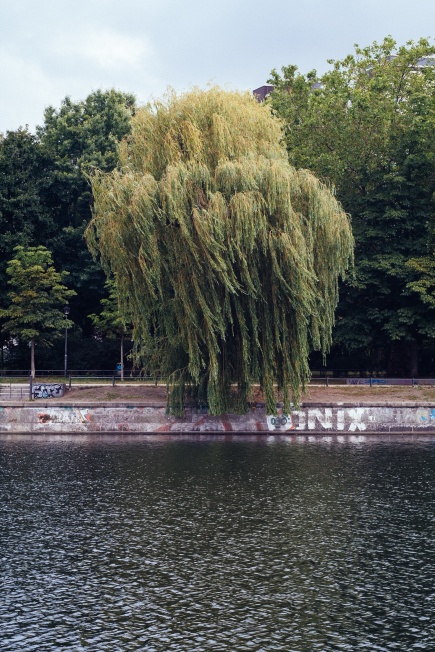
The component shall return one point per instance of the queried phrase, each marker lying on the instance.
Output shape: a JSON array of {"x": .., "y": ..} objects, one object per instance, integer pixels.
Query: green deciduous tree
[
  {"x": 225, "y": 256},
  {"x": 78, "y": 137},
  {"x": 24, "y": 168},
  {"x": 45, "y": 194},
  {"x": 109, "y": 322},
  {"x": 367, "y": 125},
  {"x": 23, "y": 214},
  {"x": 34, "y": 313}
]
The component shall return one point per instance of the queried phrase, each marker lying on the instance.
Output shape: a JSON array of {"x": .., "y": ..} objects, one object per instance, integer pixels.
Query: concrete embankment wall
[{"x": 109, "y": 417}]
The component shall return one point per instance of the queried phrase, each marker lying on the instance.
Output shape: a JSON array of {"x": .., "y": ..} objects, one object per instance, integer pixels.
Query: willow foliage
[{"x": 225, "y": 256}]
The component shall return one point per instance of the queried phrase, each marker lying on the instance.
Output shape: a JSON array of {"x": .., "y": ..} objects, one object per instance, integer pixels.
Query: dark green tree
[
  {"x": 109, "y": 322},
  {"x": 45, "y": 196},
  {"x": 367, "y": 126},
  {"x": 35, "y": 312},
  {"x": 24, "y": 218},
  {"x": 24, "y": 168},
  {"x": 78, "y": 137}
]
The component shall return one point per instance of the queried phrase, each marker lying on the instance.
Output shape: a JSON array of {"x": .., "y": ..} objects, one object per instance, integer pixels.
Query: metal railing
[
  {"x": 85, "y": 373},
  {"x": 89, "y": 378},
  {"x": 9, "y": 391},
  {"x": 113, "y": 380},
  {"x": 11, "y": 380},
  {"x": 370, "y": 381}
]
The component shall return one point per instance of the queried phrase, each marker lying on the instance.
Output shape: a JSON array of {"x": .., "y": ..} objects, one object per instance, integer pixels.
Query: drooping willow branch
[{"x": 226, "y": 258}]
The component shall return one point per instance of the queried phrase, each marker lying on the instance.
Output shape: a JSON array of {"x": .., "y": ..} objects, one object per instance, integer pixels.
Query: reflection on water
[{"x": 202, "y": 544}]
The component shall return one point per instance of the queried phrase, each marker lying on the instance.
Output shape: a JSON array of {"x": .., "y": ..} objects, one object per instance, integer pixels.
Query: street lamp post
[{"x": 66, "y": 313}]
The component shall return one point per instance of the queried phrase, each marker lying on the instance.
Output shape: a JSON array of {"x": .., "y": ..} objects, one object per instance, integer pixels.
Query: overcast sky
[{"x": 53, "y": 48}]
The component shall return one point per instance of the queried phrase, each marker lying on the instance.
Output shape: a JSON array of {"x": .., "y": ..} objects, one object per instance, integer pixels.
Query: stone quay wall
[{"x": 134, "y": 418}]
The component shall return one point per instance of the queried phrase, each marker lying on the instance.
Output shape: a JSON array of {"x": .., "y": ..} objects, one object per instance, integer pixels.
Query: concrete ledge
[
  {"x": 140, "y": 404},
  {"x": 88, "y": 417}
]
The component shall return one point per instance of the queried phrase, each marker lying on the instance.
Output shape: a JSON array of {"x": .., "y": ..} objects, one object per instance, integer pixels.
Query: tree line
[
  {"x": 364, "y": 128},
  {"x": 46, "y": 202}
]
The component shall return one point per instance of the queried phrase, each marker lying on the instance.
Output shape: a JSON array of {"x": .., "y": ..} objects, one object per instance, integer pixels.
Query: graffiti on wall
[
  {"x": 426, "y": 416},
  {"x": 349, "y": 419},
  {"x": 279, "y": 421},
  {"x": 311, "y": 419},
  {"x": 48, "y": 390}
]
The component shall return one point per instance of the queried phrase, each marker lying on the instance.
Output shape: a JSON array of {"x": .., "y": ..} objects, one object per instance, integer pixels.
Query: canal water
[{"x": 217, "y": 543}]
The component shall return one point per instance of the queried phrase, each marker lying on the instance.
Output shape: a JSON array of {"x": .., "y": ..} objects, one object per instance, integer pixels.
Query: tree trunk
[
  {"x": 413, "y": 359},
  {"x": 403, "y": 359},
  {"x": 32, "y": 358}
]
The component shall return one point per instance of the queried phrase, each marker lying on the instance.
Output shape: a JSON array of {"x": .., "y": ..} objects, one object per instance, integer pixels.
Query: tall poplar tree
[{"x": 225, "y": 257}]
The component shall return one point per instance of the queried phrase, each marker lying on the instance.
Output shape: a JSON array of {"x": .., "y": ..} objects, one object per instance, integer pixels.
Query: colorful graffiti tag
[{"x": 48, "y": 390}]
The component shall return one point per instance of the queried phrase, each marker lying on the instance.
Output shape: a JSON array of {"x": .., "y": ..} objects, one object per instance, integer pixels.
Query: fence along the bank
[{"x": 16, "y": 385}]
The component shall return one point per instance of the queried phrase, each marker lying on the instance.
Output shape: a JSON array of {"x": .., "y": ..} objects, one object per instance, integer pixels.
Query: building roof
[{"x": 262, "y": 92}]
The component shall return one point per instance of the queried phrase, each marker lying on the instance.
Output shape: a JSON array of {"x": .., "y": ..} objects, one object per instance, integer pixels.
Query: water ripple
[{"x": 185, "y": 546}]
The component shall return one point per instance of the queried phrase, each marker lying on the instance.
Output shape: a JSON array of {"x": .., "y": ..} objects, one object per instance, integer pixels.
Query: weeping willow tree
[{"x": 226, "y": 258}]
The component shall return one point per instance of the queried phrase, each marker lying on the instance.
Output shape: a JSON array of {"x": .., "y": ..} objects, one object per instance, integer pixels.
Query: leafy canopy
[
  {"x": 76, "y": 137},
  {"x": 225, "y": 256},
  {"x": 109, "y": 322},
  {"x": 367, "y": 126},
  {"x": 38, "y": 293}
]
